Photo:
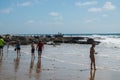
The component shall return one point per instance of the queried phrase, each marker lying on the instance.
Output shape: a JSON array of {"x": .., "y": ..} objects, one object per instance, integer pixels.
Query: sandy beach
[{"x": 63, "y": 62}]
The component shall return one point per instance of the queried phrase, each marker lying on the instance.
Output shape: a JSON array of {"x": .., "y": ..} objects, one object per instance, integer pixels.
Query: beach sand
[{"x": 55, "y": 68}]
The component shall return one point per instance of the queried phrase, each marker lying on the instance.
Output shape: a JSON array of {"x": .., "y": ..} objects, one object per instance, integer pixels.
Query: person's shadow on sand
[
  {"x": 92, "y": 74},
  {"x": 17, "y": 61}
]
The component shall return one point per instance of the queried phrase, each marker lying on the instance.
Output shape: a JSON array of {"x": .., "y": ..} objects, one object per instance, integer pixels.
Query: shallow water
[{"x": 60, "y": 62}]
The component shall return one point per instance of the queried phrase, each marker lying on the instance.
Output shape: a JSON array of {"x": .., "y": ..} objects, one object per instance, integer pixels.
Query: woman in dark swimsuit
[{"x": 92, "y": 57}]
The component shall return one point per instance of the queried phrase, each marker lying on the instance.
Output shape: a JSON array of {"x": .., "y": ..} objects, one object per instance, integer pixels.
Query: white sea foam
[{"x": 108, "y": 40}]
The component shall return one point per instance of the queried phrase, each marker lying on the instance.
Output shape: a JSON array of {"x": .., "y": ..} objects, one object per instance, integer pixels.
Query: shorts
[
  {"x": 18, "y": 48},
  {"x": 39, "y": 52},
  {"x": 32, "y": 50}
]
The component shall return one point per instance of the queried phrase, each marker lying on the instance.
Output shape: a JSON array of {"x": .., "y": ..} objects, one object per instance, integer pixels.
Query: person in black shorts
[
  {"x": 33, "y": 50},
  {"x": 18, "y": 48}
]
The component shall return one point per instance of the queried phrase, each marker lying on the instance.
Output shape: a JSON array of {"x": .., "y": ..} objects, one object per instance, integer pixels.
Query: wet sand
[{"x": 24, "y": 67}]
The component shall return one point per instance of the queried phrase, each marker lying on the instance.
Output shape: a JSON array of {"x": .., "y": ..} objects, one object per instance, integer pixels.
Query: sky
[{"x": 64, "y": 16}]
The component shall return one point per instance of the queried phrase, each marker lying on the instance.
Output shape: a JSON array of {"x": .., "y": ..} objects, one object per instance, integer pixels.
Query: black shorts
[
  {"x": 18, "y": 48},
  {"x": 32, "y": 50}
]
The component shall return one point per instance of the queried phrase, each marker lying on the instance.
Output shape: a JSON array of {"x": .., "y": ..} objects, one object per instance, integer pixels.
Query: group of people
[{"x": 39, "y": 48}]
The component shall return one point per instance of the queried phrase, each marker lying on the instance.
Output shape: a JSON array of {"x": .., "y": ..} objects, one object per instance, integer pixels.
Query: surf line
[{"x": 63, "y": 61}]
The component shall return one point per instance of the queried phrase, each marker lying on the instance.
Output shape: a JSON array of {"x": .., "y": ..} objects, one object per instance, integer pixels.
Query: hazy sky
[{"x": 65, "y": 16}]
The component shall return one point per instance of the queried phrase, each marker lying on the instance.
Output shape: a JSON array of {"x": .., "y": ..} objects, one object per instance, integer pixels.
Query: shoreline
[{"x": 54, "y": 66}]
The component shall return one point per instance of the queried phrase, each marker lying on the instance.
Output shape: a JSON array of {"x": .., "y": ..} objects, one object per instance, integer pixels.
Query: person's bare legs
[
  {"x": 33, "y": 55},
  {"x": 39, "y": 54},
  {"x": 94, "y": 66},
  {"x": 91, "y": 65},
  {"x": 18, "y": 53}
]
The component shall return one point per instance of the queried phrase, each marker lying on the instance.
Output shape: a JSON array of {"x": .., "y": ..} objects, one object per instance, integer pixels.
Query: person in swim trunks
[{"x": 40, "y": 47}]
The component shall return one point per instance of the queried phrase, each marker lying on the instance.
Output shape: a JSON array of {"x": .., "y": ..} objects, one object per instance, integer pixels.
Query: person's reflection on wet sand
[
  {"x": 16, "y": 61},
  {"x": 31, "y": 66},
  {"x": 92, "y": 74},
  {"x": 38, "y": 68}
]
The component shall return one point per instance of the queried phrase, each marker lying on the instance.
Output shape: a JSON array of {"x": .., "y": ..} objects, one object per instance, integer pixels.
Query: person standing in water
[
  {"x": 92, "y": 57},
  {"x": 40, "y": 47},
  {"x": 32, "y": 50},
  {"x": 1, "y": 45},
  {"x": 18, "y": 47}
]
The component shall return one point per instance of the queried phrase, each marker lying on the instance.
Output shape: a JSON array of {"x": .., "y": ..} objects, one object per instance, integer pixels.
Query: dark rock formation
[{"x": 24, "y": 40}]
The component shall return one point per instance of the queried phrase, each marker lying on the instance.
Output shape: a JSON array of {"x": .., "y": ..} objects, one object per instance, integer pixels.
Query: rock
[{"x": 90, "y": 40}]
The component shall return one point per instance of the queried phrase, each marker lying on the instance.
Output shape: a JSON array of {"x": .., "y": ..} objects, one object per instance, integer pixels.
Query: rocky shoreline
[{"x": 47, "y": 39}]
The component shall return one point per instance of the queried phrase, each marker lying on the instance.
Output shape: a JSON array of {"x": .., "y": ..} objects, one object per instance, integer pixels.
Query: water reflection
[
  {"x": 31, "y": 66},
  {"x": 92, "y": 74},
  {"x": 16, "y": 61},
  {"x": 38, "y": 68},
  {"x": 38, "y": 65}
]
